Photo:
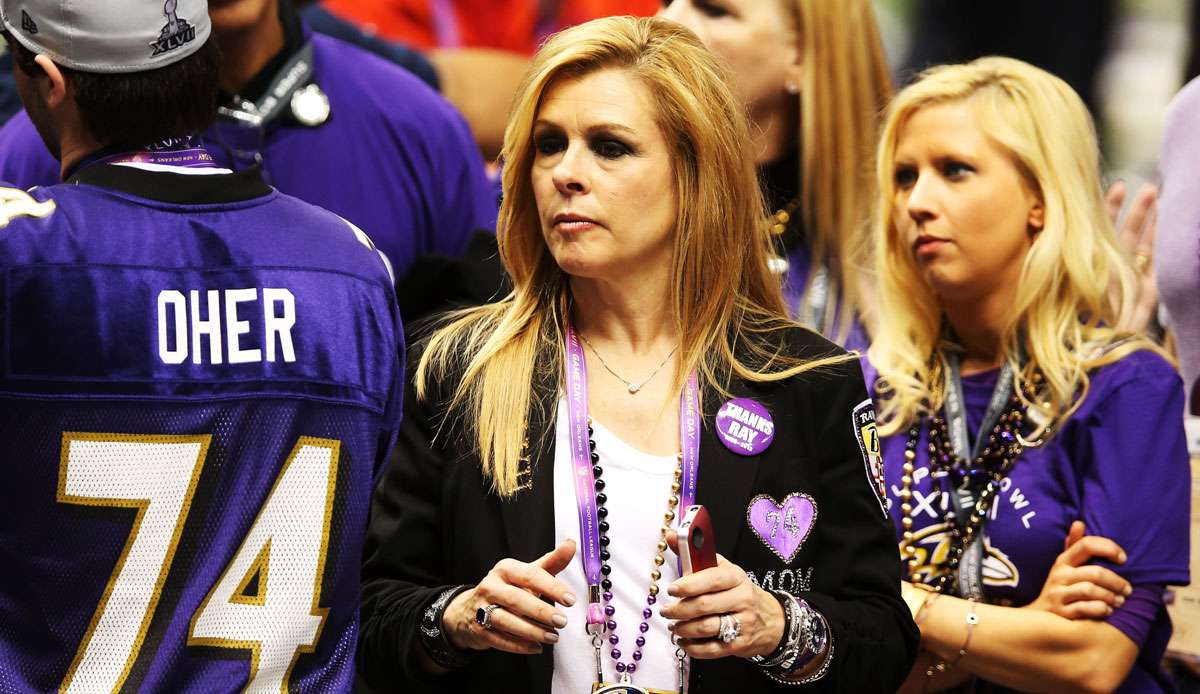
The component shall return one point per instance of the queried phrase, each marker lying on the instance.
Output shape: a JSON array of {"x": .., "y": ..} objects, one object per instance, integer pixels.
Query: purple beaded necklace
[{"x": 591, "y": 502}]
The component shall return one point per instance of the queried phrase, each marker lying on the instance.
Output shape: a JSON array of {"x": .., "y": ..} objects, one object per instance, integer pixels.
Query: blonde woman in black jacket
[{"x": 522, "y": 540}]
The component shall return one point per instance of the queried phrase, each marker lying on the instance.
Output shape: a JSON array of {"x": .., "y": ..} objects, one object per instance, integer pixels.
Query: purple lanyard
[
  {"x": 581, "y": 457},
  {"x": 190, "y": 158}
]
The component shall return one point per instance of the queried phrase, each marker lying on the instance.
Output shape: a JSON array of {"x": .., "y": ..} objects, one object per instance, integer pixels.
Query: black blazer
[{"x": 435, "y": 524}]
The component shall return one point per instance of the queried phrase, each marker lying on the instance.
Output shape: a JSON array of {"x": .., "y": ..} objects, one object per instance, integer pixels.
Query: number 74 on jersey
[{"x": 266, "y": 600}]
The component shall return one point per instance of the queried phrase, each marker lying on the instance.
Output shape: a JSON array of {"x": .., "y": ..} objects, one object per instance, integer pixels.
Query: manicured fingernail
[
  {"x": 672, "y": 589},
  {"x": 1120, "y": 600},
  {"x": 550, "y": 637},
  {"x": 568, "y": 599},
  {"x": 1121, "y": 557},
  {"x": 559, "y": 621},
  {"x": 1128, "y": 591},
  {"x": 1107, "y": 611}
]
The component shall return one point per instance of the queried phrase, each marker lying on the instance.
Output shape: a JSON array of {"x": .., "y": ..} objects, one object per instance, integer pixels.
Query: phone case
[{"x": 697, "y": 544}]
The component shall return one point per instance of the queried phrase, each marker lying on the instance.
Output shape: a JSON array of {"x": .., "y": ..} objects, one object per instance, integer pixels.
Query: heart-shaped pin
[{"x": 783, "y": 526}]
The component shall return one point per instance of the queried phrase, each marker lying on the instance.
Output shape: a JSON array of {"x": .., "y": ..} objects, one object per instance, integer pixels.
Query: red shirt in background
[{"x": 512, "y": 25}]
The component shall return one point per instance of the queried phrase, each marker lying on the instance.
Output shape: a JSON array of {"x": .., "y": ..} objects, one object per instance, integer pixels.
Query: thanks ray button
[{"x": 745, "y": 426}]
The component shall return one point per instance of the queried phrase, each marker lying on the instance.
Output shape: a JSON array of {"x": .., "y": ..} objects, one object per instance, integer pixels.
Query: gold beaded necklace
[{"x": 778, "y": 222}]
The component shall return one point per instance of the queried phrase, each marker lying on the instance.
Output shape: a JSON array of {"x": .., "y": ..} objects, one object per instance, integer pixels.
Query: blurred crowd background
[{"x": 1126, "y": 57}]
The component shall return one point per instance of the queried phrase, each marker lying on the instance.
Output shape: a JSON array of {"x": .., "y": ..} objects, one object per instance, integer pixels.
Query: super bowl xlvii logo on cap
[
  {"x": 27, "y": 24},
  {"x": 176, "y": 33}
]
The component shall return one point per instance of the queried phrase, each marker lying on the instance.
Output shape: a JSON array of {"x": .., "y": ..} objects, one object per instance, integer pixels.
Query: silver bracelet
[
  {"x": 814, "y": 640},
  {"x": 433, "y": 637},
  {"x": 792, "y": 629},
  {"x": 821, "y": 671}
]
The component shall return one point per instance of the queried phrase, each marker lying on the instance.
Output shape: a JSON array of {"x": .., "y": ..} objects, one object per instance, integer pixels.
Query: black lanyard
[
  {"x": 293, "y": 76},
  {"x": 970, "y": 566}
]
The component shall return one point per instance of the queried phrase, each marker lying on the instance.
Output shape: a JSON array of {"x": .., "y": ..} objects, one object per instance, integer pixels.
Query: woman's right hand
[
  {"x": 1076, "y": 590},
  {"x": 523, "y": 621}
]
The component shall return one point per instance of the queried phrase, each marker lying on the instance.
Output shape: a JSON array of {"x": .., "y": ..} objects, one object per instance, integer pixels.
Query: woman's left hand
[{"x": 723, "y": 590}]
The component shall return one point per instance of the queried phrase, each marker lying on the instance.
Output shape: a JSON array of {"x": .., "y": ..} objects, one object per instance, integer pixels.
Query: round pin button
[{"x": 745, "y": 427}]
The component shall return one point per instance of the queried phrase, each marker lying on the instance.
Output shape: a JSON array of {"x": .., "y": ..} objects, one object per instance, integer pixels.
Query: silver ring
[
  {"x": 483, "y": 616},
  {"x": 731, "y": 628}
]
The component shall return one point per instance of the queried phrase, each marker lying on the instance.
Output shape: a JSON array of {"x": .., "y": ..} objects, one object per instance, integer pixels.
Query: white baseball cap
[{"x": 108, "y": 36}]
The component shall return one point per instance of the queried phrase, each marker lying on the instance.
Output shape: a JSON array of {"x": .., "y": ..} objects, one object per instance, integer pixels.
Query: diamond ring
[{"x": 731, "y": 628}]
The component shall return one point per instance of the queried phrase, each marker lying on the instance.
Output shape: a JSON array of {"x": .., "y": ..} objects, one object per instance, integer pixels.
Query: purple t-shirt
[
  {"x": 1119, "y": 464},
  {"x": 394, "y": 158}
]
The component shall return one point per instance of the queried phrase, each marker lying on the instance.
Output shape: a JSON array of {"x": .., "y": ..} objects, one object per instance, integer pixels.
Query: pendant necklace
[{"x": 633, "y": 386}]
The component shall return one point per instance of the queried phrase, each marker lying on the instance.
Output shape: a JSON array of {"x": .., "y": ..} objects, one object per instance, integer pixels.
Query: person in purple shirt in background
[
  {"x": 1013, "y": 416},
  {"x": 331, "y": 124},
  {"x": 1177, "y": 257},
  {"x": 201, "y": 382}
]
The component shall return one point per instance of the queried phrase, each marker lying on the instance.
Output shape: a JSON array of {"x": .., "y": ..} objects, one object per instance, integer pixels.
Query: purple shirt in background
[
  {"x": 799, "y": 265},
  {"x": 395, "y": 158},
  {"x": 1177, "y": 244},
  {"x": 1120, "y": 464}
]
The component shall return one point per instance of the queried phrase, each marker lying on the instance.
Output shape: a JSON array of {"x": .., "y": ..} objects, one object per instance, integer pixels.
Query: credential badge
[
  {"x": 863, "y": 423},
  {"x": 310, "y": 106}
]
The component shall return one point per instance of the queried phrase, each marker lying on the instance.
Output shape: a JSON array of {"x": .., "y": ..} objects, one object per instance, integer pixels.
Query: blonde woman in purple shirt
[{"x": 1011, "y": 408}]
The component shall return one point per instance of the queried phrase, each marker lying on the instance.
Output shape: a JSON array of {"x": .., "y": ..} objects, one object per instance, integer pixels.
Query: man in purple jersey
[
  {"x": 199, "y": 382},
  {"x": 331, "y": 124}
]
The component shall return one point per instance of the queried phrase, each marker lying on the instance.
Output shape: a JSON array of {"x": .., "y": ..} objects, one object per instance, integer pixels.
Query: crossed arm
[{"x": 1056, "y": 643}]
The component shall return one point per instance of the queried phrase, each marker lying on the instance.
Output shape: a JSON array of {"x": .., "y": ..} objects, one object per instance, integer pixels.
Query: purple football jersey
[
  {"x": 199, "y": 381},
  {"x": 1120, "y": 464}
]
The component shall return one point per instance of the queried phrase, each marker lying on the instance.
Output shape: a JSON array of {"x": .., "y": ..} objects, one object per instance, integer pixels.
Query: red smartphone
[{"x": 697, "y": 546}]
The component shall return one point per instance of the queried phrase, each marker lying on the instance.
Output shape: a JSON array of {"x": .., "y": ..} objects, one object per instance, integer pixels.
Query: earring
[{"x": 791, "y": 88}]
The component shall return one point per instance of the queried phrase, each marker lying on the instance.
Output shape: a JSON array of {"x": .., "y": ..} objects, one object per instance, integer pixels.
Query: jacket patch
[
  {"x": 783, "y": 527},
  {"x": 863, "y": 423}
]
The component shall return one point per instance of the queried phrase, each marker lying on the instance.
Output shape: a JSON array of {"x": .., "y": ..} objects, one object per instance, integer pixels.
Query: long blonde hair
[
  {"x": 727, "y": 305},
  {"x": 1075, "y": 282},
  {"x": 844, "y": 89}
]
